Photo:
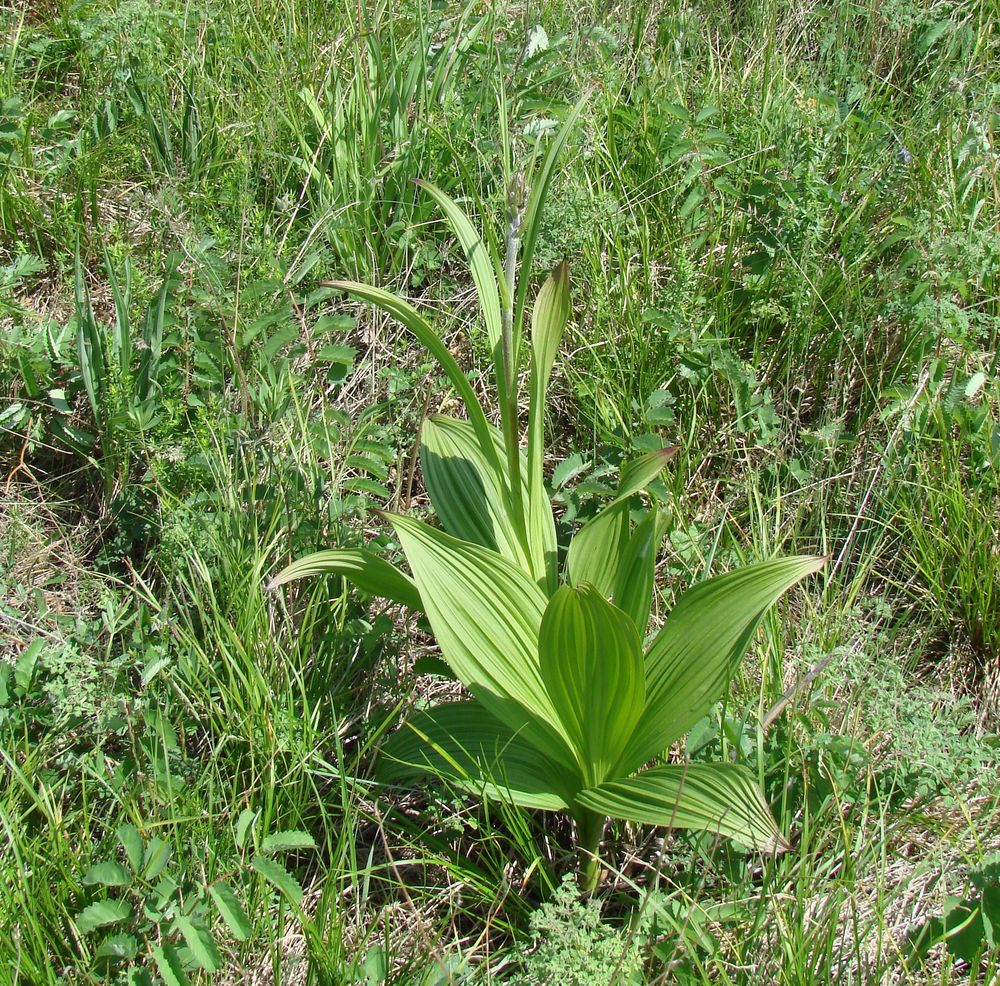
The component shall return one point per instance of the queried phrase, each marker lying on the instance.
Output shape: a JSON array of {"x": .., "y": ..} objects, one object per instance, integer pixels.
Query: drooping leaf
[
  {"x": 478, "y": 258},
  {"x": 722, "y": 798},
  {"x": 591, "y": 661},
  {"x": 367, "y": 571},
  {"x": 107, "y": 874},
  {"x": 691, "y": 659},
  {"x": 278, "y": 877},
  {"x": 464, "y": 743},
  {"x": 101, "y": 914},
  {"x": 633, "y": 591},
  {"x": 231, "y": 910},
  {"x": 485, "y": 614},
  {"x": 412, "y": 320},
  {"x": 290, "y": 841},
  {"x": 200, "y": 943}
]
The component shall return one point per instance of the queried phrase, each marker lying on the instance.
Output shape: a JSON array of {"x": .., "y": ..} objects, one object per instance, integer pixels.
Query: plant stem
[{"x": 589, "y": 829}]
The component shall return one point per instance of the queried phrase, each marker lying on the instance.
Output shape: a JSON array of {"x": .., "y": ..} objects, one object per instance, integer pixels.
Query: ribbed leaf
[
  {"x": 463, "y": 742},
  {"x": 638, "y": 473},
  {"x": 633, "y": 591},
  {"x": 485, "y": 614},
  {"x": 478, "y": 258},
  {"x": 548, "y": 322},
  {"x": 412, "y": 320},
  {"x": 596, "y": 551},
  {"x": 722, "y": 798},
  {"x": 591, "y": 660},
  {"x": 464, "y": 487},
  {"x": 689, "y": 663},
  {"x": 368, "y": 572},
  {"x": 291, "y": 840}
]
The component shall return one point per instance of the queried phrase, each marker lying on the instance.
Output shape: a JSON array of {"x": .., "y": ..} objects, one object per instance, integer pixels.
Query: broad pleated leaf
[
  {"x": 412, "y": 320},
  {"x": 464, "y": 488},
  {"x": 368, "y": 572},
  {"x": 462, "y": 742},
  {"x": 722, "y": 798},
  {"x": 691, "y": 659},
  {"x": 485, "y": 614},
  {"x": 596, "y": 551},
  {"x": 633, "y": 591},
  {"x": 591, "y": 660}
]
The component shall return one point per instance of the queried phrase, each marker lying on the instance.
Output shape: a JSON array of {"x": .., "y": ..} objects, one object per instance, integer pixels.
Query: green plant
[{"x": 567, "y": 708}]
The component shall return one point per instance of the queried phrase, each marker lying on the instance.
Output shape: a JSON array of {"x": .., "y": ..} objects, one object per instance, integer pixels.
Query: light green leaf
[
  {"x": 200, "y": 942},
  {"x": 591, "y": 660},
  {"x": 722, "y": 798},
  {"x": 464, "y": 487},
  {"x": 290, "y": 841},
  {"x": 690, "y": 661},
  {"x": 462, "y": 742},
  {"x": 633, "y": 590},
  {"x": 412, "y": 320},
  {"x": 478, "y": 258},
  {"x": 102, "y": 913},
  {"x": 485, "y": 614},
  {"x": 278, "y": 877},
  {"x": 368, "y": 572},
  {"x": 549, "y": 317},
  {"x": 169, "y": 965},
  {"x": 155, "y": 858},
  {"x": 131, "y": 840},
  {"x": 107, "y": 874},
  {"x": 638, "y": 473},
  {"x": 596, "y": 551},
  {"x": 231, "y": 910}
]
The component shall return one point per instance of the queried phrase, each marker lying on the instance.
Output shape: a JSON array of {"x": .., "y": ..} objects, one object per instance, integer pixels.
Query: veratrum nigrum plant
[{"x": 569, "y": 711}]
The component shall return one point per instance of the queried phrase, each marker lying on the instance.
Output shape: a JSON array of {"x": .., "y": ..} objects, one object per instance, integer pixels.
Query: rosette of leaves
[{"x": 570, "y": 710}]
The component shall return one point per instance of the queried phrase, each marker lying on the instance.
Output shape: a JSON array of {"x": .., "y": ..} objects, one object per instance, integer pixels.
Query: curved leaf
[
  {"x": 412, "y": 320},
  {"x": 591, "y": 660},
  {"x": 596, "y": 551},
  {"x": 485, "y": 614},
  {"x": 633, "y": 591},
  {"x": 367, "y": 571},
  {"x": 638, "y": 473},
  {"x": 463, "y": 742},
  {"x": 722, "y": 798},
  {"x": 690, "y": 661}
]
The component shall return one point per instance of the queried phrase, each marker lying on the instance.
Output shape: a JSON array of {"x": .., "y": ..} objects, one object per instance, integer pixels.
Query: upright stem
[{"x": 589, "y": 829}]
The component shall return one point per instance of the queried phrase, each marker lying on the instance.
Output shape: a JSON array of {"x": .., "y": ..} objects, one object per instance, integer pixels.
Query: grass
[{"x": 781, "y": 222}]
